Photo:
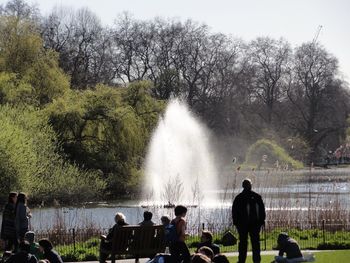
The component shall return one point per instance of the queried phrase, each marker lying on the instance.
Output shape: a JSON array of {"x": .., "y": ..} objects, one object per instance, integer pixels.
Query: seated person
[
  {"x": 49, "y": 253},
  {"x": 165, "y": 220},
  {"x": 207, "y": 241},
  {"x": 106, "y": 241},
  {"x": 22, "y": 255},
  {"x": 206, "y": 251},
  {"x": 147, "y": 219},
  {"x": 288, "y": 245},
  {"x": 34, "y": 247}
]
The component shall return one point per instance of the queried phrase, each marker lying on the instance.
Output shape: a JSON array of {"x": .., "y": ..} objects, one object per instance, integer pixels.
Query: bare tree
[
  {"x": 269, "y": 58},
  {"x": 314, "y": 92}
]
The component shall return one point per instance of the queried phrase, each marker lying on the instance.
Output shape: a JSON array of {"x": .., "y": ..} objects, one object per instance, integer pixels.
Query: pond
[{"x": 288, "y": 195}]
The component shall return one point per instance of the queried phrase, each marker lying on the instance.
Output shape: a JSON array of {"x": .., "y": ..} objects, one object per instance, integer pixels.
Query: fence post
[
  {"x": 73, "y": 231},
  {"x": 264, "y": 229},
  {"x": 323, "y": 231}
]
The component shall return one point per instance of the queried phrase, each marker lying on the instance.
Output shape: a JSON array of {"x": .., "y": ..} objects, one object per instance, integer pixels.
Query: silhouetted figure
[
  {"x": 23, "y": 255},
  {"x": 8, "y": 229},
  {"x": 248, "y": 214},
  {"x": 34, "y": 247},
  {"x": 50, "y": 254},
  {"x": 178, "y": 248},
  {"x": 106, "y": 241},
  {"x": 147, "y": 219},
  {"x": 22, "y": 216},
  {"x": 207, "y": 240}
]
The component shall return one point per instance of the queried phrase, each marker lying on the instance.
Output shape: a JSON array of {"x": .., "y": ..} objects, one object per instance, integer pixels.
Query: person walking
[{"x": 248, "y": 214}]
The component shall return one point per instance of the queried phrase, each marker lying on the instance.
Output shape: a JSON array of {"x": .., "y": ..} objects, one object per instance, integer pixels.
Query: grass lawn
[{"x": 337, "y": 256}]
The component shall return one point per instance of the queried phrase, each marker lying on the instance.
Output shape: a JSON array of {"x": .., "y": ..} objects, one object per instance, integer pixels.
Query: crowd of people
[
  {"x": 20, "y": 245},
  {"x": 248, "y": 214}
]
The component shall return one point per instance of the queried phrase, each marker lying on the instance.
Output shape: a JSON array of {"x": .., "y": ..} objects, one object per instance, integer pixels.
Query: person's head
[
  {"x": 119, "y": 217},
  {"x": 220, "y": 259},
  {"x": 24, "y": 246},
  {"x": 45, "y": 245},
  {"x": 12, "y": 197},
  {"x": 180, "y": 210},
  {"x": 207, "y": 236},
  {"x": 247, "y": 184},
  {"x": 147, "y": 215},
  {"x": 165, "y": 220},
  {"x": 200, "y": 258},
  {"x": 282, "y": 237},
  {"x": 30, "y": 237},
  {"x": 206, "y": 251},
  {"x": 22, "y": 198}
]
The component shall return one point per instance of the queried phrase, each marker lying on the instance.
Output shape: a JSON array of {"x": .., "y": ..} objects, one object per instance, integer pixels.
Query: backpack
[
  {"x": 229, "y": 239},
  {"x": 171, "y": 233}
]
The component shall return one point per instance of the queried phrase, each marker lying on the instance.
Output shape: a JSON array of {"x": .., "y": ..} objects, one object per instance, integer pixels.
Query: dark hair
[
  {"x": 46, "y": 244},
  {"x": 247, "y": 184},
  {"x": 165, "y": 220},
  {"x": 206, "y": 251},
  {"x": 12, "y": 195},
  {"x": 179, "y": 210},
  {"x": 208, "y": 235},
  {"x": 220, "y": 258},
  {"x": 21, "y": 198},
  {"x": 200, "y": 258},
  {"x": 147, "y": 215},
  {"x": 24, "y": 246}
]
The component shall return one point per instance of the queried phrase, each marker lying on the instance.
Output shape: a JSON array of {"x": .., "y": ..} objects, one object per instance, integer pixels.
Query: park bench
[{"x": 138, "y": 241}]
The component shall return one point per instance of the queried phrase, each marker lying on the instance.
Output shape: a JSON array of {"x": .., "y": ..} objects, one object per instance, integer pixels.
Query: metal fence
[{"x": 83, "y": 244}]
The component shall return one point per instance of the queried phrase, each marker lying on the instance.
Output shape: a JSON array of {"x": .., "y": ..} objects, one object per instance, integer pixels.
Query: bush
[{"x": 272, "y": 152}]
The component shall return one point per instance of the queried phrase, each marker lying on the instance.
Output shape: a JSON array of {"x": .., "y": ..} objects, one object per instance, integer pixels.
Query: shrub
[{"x": 273, "y": 153}]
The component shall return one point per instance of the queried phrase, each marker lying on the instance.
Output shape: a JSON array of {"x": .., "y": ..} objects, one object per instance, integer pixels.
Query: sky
[{"x": 295, "y": 20}]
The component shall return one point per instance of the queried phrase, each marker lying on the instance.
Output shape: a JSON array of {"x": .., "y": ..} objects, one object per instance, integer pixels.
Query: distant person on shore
[
  {"x": 49, "y": 253},
  {"x": 207, "y": 240},
  {"x": 8, "y": 229},
  {"x": 248, "y": 214},
  {"x": 22, "y": 216},
  {"x": 147, "y": 219},
  {"x": 23, "y": 255},
  {"x": 178, "y": 248},
  {"x": 106, "y": 240}
]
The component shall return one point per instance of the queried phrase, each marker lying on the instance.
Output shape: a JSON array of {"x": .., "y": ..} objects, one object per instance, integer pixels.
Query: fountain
[{"x": 179, "y": 165}]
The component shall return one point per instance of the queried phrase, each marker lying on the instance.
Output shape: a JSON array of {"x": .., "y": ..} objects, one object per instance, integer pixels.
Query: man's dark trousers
[{"x": 254, "y": 233}]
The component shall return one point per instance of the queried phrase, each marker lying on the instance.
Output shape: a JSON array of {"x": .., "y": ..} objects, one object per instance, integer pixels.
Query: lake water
[{"x": 296, "y": 195}]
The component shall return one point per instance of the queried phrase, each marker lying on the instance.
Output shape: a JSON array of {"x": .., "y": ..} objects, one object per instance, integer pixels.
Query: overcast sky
[{"x": 295, "y": 20}]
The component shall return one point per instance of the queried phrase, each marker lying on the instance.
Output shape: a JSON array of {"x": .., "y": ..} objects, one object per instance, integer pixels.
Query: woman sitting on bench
[{"x": 106, "y": 241}]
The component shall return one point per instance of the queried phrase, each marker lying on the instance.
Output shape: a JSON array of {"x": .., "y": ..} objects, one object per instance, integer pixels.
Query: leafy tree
[
  {"x": 107, "y": 129},
  {"x": 30, "y": 160}
]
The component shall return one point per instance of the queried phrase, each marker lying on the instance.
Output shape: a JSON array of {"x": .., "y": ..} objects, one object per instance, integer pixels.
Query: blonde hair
[{"x": 119, "y": 217}]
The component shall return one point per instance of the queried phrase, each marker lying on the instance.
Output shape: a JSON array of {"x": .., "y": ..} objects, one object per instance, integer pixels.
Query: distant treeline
[{"x": 86, "y": 96}]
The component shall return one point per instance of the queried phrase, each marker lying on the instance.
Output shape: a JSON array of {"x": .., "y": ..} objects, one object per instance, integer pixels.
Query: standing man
[{"x": 248, "y": 214}]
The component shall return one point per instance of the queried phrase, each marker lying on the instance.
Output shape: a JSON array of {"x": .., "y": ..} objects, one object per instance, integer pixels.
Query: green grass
[{"x": 338, "y": 256}]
